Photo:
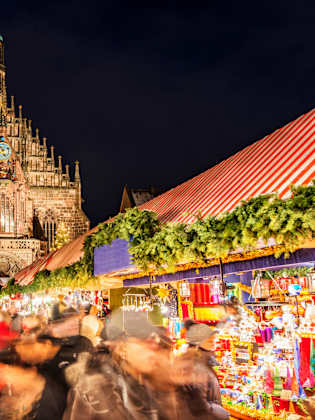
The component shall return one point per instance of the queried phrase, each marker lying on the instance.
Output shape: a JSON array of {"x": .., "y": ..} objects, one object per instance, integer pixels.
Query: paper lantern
[{"x": 184, "y": 289}]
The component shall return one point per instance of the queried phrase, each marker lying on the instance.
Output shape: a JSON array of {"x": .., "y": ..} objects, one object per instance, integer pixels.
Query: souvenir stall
[
  {"x": 199, "y": 246},
  {"x": 266, "y": 354},
  {"x": 267, "y": 358},
  {"x": 42, "y": 303}
]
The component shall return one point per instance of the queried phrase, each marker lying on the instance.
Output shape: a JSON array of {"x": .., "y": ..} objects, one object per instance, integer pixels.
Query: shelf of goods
[{"x": 267, "y": 360}]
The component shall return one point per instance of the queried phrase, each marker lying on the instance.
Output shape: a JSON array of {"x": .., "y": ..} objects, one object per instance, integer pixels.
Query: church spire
[
  {"x": 1, "y": 52},
  {"x": 12, "y": 105},
  {"x": 67, "y": 175},
  {"x": 77, "y": 181},
  {"x": 3, "y": 90},
  {"x": 52, "y": 157},
  {"x": 77, "y": 172},
  {"x": 60, "y": 164}
]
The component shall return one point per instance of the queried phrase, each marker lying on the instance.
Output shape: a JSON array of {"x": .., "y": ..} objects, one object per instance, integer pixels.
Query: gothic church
[{"x": 36, "y": 193}]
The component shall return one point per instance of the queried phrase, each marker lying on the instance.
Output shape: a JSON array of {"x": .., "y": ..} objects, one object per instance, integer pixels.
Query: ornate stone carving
[
  {"x": 33, "y": 244},
  {"x": 9, "y": 265}
]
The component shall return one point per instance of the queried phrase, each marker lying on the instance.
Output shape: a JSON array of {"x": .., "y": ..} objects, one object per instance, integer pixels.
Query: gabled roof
[
  {"x": 132, "y": 197},
  {"x": 283, "y": 158}
]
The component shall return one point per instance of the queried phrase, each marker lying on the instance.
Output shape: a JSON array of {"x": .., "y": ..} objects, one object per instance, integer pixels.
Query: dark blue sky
[{"x": 153, "y": 95}]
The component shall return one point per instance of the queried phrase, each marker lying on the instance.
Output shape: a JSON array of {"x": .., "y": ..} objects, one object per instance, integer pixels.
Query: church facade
[{"x": 36, "y": 192}]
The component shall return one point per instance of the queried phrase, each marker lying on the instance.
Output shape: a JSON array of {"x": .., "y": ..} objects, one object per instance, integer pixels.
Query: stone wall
[
  {"x": 17, "y": 253},
  {"x": 63, "y": 204}
]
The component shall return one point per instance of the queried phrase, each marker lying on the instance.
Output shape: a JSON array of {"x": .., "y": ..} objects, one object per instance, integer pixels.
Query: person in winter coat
[
  {"x": 20, "y": 390},
  {"x": 201, "y": 340},
  {"x": 48, "y": 356},
  {"x": 139, "y": 380}
]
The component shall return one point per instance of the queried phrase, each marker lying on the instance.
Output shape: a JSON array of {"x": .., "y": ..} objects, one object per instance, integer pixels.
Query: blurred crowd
[{"x": 78, "y": 367}]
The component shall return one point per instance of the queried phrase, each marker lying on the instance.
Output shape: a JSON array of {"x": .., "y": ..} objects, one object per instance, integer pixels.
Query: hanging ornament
[
  {"x": 259, "y": 404},
  {"x": 163, "y": 293},
  {"x": 184, "y": 289},
  {"x": 288, "y": 381},
  {"x": 269, "y": 383},
  {"x": 277, "y": 383}
]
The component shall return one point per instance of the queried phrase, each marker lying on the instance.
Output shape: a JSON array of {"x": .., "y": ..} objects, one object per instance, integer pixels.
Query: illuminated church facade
[{"x": 36, "y": 192}]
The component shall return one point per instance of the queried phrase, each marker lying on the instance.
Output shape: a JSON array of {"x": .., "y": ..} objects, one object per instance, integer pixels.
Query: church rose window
[{"x": 6, "y": 215}]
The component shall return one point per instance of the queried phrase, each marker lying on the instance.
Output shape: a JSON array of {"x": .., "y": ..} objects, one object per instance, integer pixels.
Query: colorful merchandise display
[
  {"x": 43, "y": 303},
  {"x": 267, "y": 356},
  {"x": 266, "y": 352}
]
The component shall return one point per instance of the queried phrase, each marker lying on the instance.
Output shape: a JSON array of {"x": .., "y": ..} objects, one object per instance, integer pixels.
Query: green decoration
[
  {"x": 277, "y": 384},
  {"x": 291, "y": 272},
  {"x": 154, "y": 246},
  {"x": 62, "y": 236}
]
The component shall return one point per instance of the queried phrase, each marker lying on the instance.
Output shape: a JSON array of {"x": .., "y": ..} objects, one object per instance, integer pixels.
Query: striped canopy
[
  {"x": 28, "y": 273},
  {"x": 283, "y": 158},
  {"x": 272, "y": 164},
  {"x": 67, "y": 255}
]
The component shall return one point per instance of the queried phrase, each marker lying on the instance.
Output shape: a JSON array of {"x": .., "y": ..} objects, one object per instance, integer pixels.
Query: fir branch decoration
[
  {"x": 154, "y": 246},
  {"x": 291, "y": 272}
]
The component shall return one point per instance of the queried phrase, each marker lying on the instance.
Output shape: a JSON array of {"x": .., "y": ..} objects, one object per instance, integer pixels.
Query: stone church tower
[{"x": 36, "y": 193}]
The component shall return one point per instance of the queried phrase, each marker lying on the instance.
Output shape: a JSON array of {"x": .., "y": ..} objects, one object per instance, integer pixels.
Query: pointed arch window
[
  {"x": 33, "y": 149},
  {"x": 6, "y": 215},
  {"x": 49, "y": 226}
]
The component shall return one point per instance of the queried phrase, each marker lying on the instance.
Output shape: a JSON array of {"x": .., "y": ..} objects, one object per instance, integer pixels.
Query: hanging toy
[
  {"x": 269, "y": 383},
  {"x": 259, "y": 404}
]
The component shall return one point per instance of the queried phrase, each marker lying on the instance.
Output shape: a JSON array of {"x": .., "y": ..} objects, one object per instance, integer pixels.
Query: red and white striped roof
[
  {"x": 67, "y": 255},
  {"x": 272, "y": 164},
  {"x": 27, "y": 275}
]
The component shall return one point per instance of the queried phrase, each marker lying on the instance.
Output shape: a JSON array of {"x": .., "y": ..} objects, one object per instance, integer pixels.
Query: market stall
[
  {"x": 218, "y": 235},
  {"x": 43, "y": 303}
]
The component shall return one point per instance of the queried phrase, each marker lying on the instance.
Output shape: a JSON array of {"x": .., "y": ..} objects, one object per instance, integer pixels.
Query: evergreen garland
[
  {"x": 154, "y": 246},
  {"x": 290, "y": 272},
  {"x": 74, "y": 276}
]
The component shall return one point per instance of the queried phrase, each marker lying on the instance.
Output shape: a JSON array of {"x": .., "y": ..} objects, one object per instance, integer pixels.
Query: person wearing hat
[
  {"x": 91, "y": 326},
  {"x": 109, "y": 386},
  {"x": 50, "y": 352},
  {"x": 138, "y": 379},
  {"x": 201, "y": 340}
]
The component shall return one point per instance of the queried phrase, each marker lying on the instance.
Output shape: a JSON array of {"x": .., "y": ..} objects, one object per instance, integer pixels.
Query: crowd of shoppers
[{"x": 77, "y": 367}]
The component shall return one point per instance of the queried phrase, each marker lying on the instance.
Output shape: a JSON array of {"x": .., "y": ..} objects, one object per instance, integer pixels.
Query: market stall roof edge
[
  {"x": 67, "y": 255},
  {"x": 271, "y": 164},
  {"x": 281, "y": 159}
]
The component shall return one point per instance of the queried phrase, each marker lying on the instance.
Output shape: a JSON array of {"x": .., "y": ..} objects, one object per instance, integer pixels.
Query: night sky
[{"x": 155, "y": 92}]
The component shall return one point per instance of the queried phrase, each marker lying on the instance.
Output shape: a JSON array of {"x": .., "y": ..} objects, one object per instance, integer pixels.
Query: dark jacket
[
  {"x": 107, "y": 392},
  {"x": 205, "y": 398},
  {"x": 53, "y": 401}
]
